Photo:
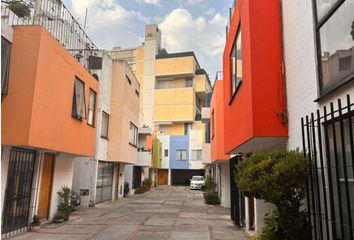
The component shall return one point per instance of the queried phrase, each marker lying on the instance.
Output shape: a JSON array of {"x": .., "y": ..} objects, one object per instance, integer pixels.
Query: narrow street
[{"x": 163, "y": 213}]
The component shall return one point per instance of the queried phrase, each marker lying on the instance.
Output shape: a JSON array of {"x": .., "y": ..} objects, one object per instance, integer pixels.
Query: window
[
  {"x": 188, "y": 83},
  {"x": 5, "y": 65},
  {"x": 105, "y": 125},
  {"x": 133, "y": 135},
  {"x": 91, "y": 108},
  {"x": 187, "y": 128},
  {"x": 335, "y": 43},
  {"x": 236, "y": 64},
  {"x": 196, "y": 155},
  {"x": 166, "y": 152},
  {"x": 79, "y": 105},
  {"x": 128, "y": 79},
  {"x": 212, "y": 124},
  {"x": 181, "y": 155},
  {"x": 137, "y": 93}
]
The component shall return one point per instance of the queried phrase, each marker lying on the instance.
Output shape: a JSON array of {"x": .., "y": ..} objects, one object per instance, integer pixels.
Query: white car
[{"x": 197, "y": 182}]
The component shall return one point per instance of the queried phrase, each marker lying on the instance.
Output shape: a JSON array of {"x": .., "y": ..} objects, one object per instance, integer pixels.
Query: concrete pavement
[{"x": 171, "y": 213}]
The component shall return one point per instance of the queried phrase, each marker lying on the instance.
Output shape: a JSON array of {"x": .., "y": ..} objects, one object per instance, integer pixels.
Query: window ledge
[
  {"x": 324, "y": 93},
  {"x": 131, "y": 144},
  {"x": 105, "y": 137}
]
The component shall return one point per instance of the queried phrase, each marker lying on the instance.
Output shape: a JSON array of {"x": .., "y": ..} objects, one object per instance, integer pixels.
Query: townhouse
[
  {"x": 311, "y": 43},
  {"x": 101, "y": 178},
  {"x": 173, "y": 91},
  {"x": 48, "y": 104}
]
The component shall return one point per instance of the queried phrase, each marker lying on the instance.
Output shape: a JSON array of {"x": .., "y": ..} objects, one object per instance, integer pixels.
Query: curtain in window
[{"x": 79, "y": 99}]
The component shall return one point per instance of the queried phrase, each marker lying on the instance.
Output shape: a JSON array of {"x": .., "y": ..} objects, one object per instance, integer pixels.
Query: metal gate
[
  {"x": 328, "y": 143},
  {"x": 15, "y": 217},
  {"x": 136, "y": 177},
  {"x": 104, "y": 182},
  {"x": 237, "y": 199}
]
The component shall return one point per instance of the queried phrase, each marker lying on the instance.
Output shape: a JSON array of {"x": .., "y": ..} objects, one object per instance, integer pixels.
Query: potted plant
[
  {"x": 36, "y": 223},
  {"x": 64, "y": 202},
  {"x": 59, "y": 217}
]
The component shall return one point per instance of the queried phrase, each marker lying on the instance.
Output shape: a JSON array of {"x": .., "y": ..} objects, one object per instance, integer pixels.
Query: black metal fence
[
  {"x": 56, "y": 19},
  {"x": 328, "y": 143},
  {"x": 238, "y": 214}
]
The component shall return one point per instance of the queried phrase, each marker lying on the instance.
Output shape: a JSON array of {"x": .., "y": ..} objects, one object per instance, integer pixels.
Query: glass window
[
  {"x": 236, "y": 63},
  {"x": 336, "y": 49},
  {"x": 196, "y": 155},
  {"x": 5, "y": 65},
  {"x": 212, "y": 124},
  {"x": 91, "y": 108},
  {"x": 187, "y": 128},
  {"x": 166, "y": 152},
  {"x": 105, "y": 125},
  {"x": 181, "y": 155},
  {"x": 79, "y": 105},
  {"x": 128, "y": 79},
  {"x": 189, "y": 83},
  {"x": 324, "y": 6},
  {"x": 133, "y": 134}
]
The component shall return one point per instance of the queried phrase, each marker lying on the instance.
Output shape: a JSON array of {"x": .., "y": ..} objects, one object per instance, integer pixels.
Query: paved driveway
[{"x": 172, "y": 213}]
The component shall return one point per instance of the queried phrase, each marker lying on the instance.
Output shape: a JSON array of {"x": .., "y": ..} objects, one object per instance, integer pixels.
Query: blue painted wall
[{"x": 179, "y": 142}]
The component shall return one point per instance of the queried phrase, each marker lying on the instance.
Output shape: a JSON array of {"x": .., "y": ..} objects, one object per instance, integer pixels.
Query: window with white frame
[
  {"x": 79, "y": 105},
  {"x": 196, "y": 155},
  {"x": 133, "y": 134},
  {"x": 181, "y": 155}
]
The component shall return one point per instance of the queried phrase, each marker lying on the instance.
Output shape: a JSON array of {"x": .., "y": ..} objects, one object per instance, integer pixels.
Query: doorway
[
  {"x": 46, "y": 186},
  {"x": 117, "y": 181},
  {"x": 18, "y": 190},
  {"x": 162, "y": 177}
]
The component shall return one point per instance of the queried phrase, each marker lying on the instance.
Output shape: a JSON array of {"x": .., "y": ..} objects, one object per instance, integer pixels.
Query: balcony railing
[{"x": 56, "y": 19}]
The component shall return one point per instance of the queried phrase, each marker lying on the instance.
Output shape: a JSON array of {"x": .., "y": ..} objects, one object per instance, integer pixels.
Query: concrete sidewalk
[{"x": 173, "y": 213}]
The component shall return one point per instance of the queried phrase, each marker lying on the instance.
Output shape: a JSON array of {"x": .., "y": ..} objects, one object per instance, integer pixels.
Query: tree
[
  {"x": 20, "y": 8},
  {"x": 278, "y": 177}
]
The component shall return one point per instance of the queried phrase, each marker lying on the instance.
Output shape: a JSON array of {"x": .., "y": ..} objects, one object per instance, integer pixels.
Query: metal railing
[
  {"x": 59, "y": 22},
  {"x": 231, "y": 15},
  {"x": 328, "y": 144}
]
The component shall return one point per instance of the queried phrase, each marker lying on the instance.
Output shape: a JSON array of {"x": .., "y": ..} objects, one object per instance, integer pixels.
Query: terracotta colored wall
[
  {"x": 124, "y": 109},
  {"x": 260, "y": 100},
  {"x": 217, "y": 141},
  {"x": 37, "y": 110}
]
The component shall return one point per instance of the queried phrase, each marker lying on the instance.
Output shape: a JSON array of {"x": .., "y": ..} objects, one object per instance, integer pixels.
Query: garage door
[{"x": 182, "y": 176}]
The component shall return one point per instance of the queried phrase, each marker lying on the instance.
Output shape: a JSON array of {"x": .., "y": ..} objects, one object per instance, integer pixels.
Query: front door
[
  {"x": 136, "y": 177},
  {"x": 163, "y": 177},
  {"x": 18, "y": 190},
  {"x": 45, "y": 189}
]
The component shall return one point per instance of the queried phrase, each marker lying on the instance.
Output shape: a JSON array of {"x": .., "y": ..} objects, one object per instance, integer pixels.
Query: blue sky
[{"x": 186, "y": 25}]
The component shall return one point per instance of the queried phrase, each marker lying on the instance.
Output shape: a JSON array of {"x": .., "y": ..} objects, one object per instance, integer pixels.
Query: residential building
[
  {"x": 173, "y": 91},
  {"x": 255, "y": 114},
  {"x": 101, "y": 178},
  {"x": 318, "y": 42},
  {"x": 48, "y": 103}
]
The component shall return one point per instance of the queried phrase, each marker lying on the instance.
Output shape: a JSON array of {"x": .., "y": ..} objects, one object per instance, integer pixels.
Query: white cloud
[
  {"x": 156, "y": 2},
  {"x": 194, "y": 2},
  {"x": 109, "y": 24},
  {"x": 182, "y": 32}
]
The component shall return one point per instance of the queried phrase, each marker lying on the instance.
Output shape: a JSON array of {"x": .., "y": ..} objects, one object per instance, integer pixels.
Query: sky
[{"x": 186, "y": 25}]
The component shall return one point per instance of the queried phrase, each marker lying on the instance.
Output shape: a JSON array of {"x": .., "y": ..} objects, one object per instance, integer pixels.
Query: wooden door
[
  {"x": 163, "y": 177},
  {"x": 45, "y": 189}
]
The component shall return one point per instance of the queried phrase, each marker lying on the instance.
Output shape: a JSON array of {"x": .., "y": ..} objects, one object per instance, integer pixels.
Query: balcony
[
  {"x": 37, "y": 112},
  {"x": 144, "y": 159},
  {"x": 176, "y": 65},
  {"x": 174, "y": 105}
]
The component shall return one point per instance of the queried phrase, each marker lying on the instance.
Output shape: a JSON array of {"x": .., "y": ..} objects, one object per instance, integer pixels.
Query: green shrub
[
  {"x": 209, "y": 183},
  {"x": 36, "y": 221},
  {"x": 64, "y": 202},
  {"x": 278, "y": 177},
  {"x": 211, "y": 198},
  {"x": 59, "y": 216},
  {"x": 20, "y": 9},
  {"x": 147, "y": 183}
]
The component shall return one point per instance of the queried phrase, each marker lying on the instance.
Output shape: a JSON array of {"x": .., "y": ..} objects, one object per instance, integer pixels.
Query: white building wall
[
  {"x": 225, "y": 185},
  {"x": 63, "y": 176},
  {"x": 195, "y": 143},
  {"x": 165, "y": 144}
]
